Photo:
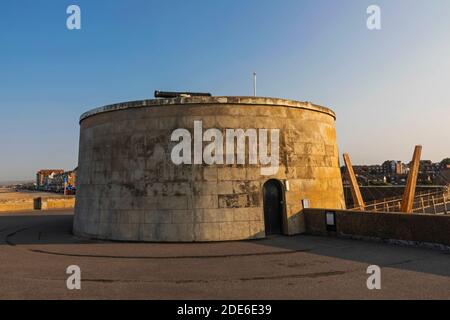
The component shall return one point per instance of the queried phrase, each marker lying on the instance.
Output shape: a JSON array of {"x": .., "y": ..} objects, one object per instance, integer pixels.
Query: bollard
[{"x": 37, "y": 203}]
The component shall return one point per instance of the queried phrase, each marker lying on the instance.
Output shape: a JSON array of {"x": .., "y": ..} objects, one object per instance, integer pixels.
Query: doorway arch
[{"x": 273, "y": 207}]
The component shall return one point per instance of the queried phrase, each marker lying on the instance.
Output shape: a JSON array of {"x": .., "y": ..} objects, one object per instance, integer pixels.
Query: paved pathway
[{"x": 36, "y": 248}]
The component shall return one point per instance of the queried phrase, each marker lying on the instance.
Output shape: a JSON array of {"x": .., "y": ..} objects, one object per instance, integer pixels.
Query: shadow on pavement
[{"x": 55, "y": 228}]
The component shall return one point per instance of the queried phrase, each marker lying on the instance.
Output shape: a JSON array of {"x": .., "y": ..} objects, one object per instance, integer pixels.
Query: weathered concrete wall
[
  {"x": 418, "y": 228},
  {"x": 129, "y": 189},
  {"x": 16, "y": 205},
  {"x": 59, "y": 203},
  {"x": 28, "y": 204}
]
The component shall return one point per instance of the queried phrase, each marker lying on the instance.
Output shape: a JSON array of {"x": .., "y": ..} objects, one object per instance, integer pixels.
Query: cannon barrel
[{"x": 169, "y": 95}]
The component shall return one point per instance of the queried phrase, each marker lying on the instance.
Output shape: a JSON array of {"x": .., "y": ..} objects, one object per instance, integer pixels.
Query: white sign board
[{"x": 330, "y": 219}]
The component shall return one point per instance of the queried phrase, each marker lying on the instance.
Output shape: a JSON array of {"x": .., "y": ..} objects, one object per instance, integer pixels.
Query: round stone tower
[{"x": 204, "y": 169}]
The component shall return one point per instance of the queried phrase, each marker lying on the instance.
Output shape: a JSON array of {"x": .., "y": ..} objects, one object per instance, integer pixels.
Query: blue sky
[{"x": 390, "y": 88}]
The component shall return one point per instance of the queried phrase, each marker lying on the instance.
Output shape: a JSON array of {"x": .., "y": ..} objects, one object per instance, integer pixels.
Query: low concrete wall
[
  {"x": 66, "y": 202},
  {"x": 16, "y": 205},
  {"x": 419, "y": 228},
  {"x": 59, "y": 203}
]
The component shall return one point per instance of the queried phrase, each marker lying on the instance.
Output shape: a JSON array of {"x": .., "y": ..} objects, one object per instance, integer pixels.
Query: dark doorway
[{"x": 273, "y": 207}]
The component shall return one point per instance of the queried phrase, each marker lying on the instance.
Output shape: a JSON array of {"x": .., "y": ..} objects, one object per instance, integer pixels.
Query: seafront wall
[
  {"x": 409, "y": 229},
  {"x": 38, "y": 203}
]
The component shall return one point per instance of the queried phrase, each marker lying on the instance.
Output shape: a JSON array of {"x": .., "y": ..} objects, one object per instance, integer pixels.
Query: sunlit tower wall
[{"x": 129, "y": 188}]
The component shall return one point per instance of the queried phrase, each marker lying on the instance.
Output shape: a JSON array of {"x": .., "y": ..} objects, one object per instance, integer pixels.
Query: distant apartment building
[
  {"x": 366, "y": 174},
  {"x": 428, "y": 172},
  {"x": 45, "y": 176},
  {"x": 443, "y": 178},
  {"x": 389, "y": 167},
  {"x": 401, "y": 168},
  {"x": 396, "y": 172},
  {"x": 394, "y": 167},
  {"x": 65, "y": 182},
  {"x": 57, "y": 181}
]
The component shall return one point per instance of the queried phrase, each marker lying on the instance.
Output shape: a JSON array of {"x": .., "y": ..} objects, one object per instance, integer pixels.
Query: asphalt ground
[{"x": 37, "y": 247}]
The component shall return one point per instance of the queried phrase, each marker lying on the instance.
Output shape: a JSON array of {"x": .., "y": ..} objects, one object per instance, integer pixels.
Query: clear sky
[{"x": 390, "y": 88}]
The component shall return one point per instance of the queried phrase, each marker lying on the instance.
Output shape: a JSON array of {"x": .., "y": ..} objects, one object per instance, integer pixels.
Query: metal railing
[{"x": 437, "y": 202}]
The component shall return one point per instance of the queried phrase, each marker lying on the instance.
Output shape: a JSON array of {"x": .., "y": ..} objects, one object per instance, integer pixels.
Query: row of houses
[
  {"x": 57, "y": 180},
  {"x": 396, "y": 172}
]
